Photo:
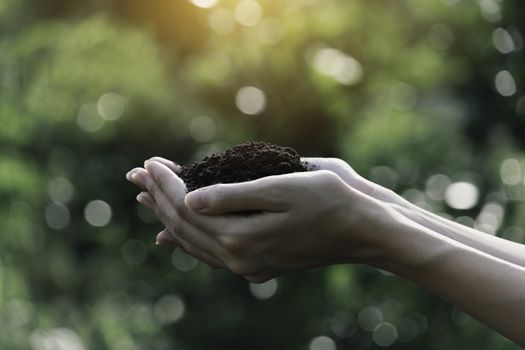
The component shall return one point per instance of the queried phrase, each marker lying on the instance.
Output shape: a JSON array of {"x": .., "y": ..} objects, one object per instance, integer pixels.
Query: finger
[
  {"x": 164, "y": 210},
  {"x": 155, "y": 200},
  {"x": 165, "y": 238},
  {"x": 265, "y": 194},
  {"x": 131, "y": 172},
  {"x": 332, "y": 164},
  {"x": 130, "y": 176},
  {"x": 146, "y": 200},
  {"x": 343, "y": 170},
  {"x": 143, "y": 179},
  {"x": 168, "y": 183},
  {"x": 176, "y": 168}
]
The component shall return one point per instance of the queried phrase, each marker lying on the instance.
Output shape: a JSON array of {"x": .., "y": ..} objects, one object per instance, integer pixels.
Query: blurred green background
[{"x": 424, "y": 97}]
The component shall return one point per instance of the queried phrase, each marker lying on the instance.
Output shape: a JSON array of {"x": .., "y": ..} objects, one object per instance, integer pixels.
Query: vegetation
[{"x": 419, "y": 96}]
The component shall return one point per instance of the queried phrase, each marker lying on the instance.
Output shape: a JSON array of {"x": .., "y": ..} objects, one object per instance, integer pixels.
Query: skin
[{"x": 332, "y": 215}]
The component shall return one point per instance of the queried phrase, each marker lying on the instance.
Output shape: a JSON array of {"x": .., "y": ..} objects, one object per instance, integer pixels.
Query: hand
[
  {"x": 352, "y": 178},
  {"x": 164, "y": 237},
  {"x": 297, "y": 220}
]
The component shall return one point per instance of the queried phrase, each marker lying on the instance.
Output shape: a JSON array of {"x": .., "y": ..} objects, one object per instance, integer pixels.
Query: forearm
[
  {"x": 488, "y": 288},
  {"x": 504, "y": 249},
  {"x": 498, "y": 247}
]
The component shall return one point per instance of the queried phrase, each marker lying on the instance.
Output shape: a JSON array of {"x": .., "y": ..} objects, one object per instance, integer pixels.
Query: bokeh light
[
  {"x": 204, "y": 3},
  {"x": 343, "y": 324},
  {"x": 55, "y": 339},
  {"x": 502, "y": 40},
  {"x": 248, "y": 12},
  {"x": 182, "y": 261},
  {"x": 490, "y": 218},
  {"x": 60, "y": 190},
  {"x": 88, "y": 118},
  {"x": 169, "y": 309},
  {"x": 338, "y": 65},
  {"x": 264, "y": 290},
  {"x": 203, "y": 128},
  {"x": 98, "y": 213},
  {"x": 222, "y": 21},
  {"x": 369, "y": 318},
  {"x": 505, "y": 83},
  {"x": 462, "y": 195},
  {"x": 511, "y": 172},
  {"x": 385, "y": 334},
  {"x": 436, "y": 186},
  {"x": 110, "y": 106},
  {"x": 322, "y": 343},
  {"x": 270, "y": 31},
  {"x": 250, "y": 100},
  {"x": 491, "y": 10},
  {"x": 57, "y": 216}
]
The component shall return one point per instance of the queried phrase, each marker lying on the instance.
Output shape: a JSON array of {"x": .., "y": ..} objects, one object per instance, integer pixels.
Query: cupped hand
[
  {"x": 266, "y": 227},
  {"x": 353, "y": 179}
]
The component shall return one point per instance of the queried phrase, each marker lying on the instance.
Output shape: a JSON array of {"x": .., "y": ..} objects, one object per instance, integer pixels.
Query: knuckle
[
  {"x": 232, "y": 244},
  {"x": 336, "y": 161},
  {"x": 329, "y": 179}
]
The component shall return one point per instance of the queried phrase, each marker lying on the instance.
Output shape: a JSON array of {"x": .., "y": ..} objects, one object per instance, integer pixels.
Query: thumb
[{"x": 257, "y": 195}]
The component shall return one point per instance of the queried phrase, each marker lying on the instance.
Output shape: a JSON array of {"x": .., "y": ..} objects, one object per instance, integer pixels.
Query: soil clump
[{"x": 240, "y": 163}]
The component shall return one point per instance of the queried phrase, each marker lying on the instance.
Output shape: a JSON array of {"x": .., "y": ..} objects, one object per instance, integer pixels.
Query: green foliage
[{"x": 403, "y": 90}]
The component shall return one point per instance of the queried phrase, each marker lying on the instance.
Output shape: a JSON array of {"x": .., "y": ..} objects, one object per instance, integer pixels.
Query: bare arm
[
  {"x": 490, "y": 289},
  {"x": 315, "y": 219},
  {"x": 498, "y": 247}
]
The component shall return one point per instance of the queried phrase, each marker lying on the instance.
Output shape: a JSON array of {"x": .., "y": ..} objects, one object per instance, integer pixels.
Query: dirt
[{"x": 244, "y": 162}]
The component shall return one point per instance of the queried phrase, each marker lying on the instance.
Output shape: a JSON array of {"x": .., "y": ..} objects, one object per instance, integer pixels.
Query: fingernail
[
  {"x": 195, "y": 200},
  {"x": 128, "y": 175},
  {"x": 164, "y": 242},
  {"x": 140, "y": 197}
]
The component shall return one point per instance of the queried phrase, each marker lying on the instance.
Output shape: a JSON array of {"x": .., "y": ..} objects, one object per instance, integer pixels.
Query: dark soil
[{"x": 244, "y": 162}]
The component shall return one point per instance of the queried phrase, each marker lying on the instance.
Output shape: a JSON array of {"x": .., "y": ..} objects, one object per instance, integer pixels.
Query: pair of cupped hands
[{"x": 263, "y": 228}]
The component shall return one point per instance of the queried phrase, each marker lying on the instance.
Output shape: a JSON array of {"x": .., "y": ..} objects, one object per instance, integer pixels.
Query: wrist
[{"x": 370, "y": 230}]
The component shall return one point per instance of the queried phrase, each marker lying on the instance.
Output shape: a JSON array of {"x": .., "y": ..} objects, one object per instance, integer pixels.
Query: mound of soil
[{"x": 244, "y": 162}]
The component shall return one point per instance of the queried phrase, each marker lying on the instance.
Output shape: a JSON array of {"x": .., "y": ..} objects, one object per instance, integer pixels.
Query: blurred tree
[{"x": 415, "y": 95}]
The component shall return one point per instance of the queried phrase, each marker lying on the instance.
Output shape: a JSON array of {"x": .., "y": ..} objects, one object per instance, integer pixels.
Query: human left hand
[{"x": 297, "y": 220}]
